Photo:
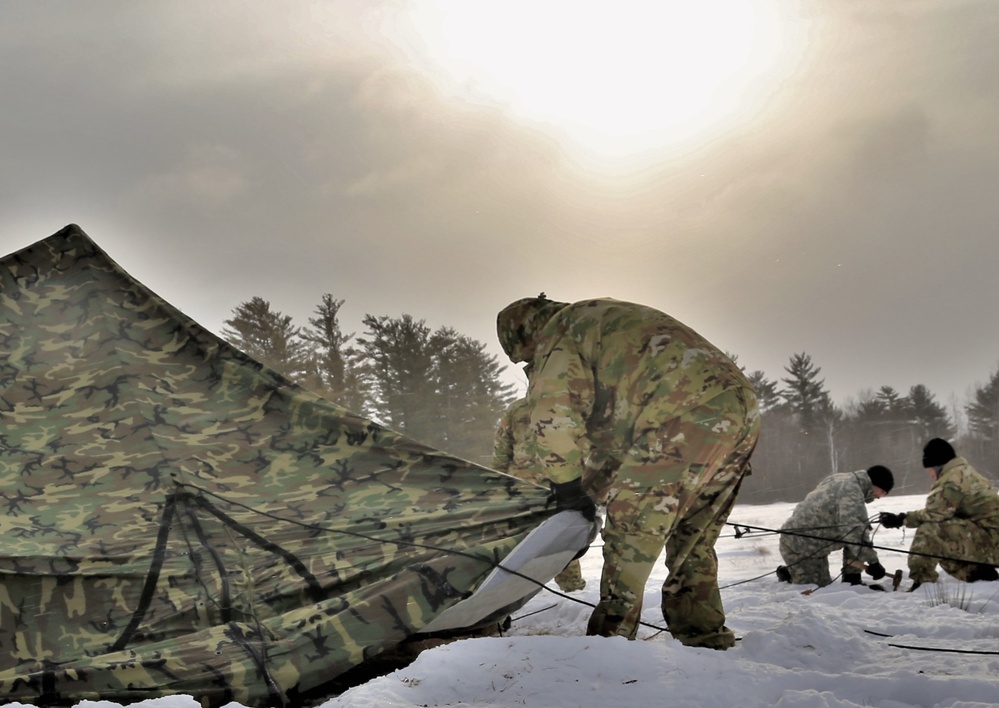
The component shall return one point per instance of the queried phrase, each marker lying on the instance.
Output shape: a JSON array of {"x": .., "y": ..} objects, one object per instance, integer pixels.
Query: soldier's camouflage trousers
[
  {"x": 571, "y": 579},
  {"x": 962, "y": 540},
  {"x": 807, "y": 561},
  {"x": 675, "y": 489}
]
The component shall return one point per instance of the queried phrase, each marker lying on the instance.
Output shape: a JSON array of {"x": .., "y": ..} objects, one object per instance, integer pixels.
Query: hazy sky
[{"x": 785, "y": 176}]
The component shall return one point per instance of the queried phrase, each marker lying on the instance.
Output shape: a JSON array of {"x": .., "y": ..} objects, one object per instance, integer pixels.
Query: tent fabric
[{"x": 178, "y": 519}]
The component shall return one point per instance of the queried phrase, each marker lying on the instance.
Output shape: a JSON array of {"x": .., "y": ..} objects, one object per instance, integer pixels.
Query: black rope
[
  {"x": 225, "y": 601},
  {"x": 411, "y": 544},
  {"x": 536, "y": 612},
  {"x": 152, "y": 577},
  {"x": 494, "y": 564},
  {"x": 742, "y": 530},
  {"x": 234, "y": 631},
  {"x": 941, "y": 649},
  {"x": 170, "y": 514},
  {"x": 819, "y": 552},
  {"x": 748, "y": 580},
  {"x": 791, "y": 532},
  {"x": 259, "y": 659},
  {"x": 315, "y": 587}
]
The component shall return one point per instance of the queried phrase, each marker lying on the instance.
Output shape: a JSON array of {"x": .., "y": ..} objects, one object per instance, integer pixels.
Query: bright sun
[{"x": 617, "y": 78}]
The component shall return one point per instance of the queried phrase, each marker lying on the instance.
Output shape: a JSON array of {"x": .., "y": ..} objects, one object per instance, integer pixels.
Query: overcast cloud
[{"x": 224, "y": 150}]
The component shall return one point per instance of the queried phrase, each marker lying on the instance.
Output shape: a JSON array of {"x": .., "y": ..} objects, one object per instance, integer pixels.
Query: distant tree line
[
  {"x": 442, "y": 389},
  {"x": 438, "y": 387},
  {"x": 805, "y": 436}
]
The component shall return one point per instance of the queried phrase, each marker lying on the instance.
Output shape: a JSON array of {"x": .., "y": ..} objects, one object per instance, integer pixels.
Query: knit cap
[
  {"x": 882, "y": 477},
  {"x": 937, "y": 453}
]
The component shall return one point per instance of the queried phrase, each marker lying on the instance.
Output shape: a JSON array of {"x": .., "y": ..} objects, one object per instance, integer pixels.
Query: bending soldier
[
  {"x": 633, "y": 409},
  {"x": 832, "y": 517}
]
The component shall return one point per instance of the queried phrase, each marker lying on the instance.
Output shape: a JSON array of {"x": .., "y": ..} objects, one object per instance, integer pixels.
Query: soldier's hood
[{"x": 518, "y": 325}]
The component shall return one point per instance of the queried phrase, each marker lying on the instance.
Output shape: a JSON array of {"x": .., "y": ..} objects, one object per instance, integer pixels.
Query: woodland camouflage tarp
[{"x": 177, "y": 519}]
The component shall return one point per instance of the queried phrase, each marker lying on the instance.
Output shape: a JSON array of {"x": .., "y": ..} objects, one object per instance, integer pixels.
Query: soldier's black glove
[
  {"x": 876, "y": 570},
  {"x": 570, "y": 495},
  {"x": 852, "y": 578},
  {"x": 891, "y": 521}
]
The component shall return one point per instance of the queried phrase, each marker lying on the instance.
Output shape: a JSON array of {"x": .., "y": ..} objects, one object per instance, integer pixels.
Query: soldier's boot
[
  {"x": 783, "y": 574},
  {"x": 918, "y": 579},
  {"x": 922, "y": 572},
  {"x": 982, "y": 572},
  {"x": 721, "y": 639},
  {"x": 603, "y": 624}
]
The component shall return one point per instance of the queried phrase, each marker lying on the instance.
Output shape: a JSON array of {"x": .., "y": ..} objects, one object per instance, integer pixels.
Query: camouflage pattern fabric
[
  {"x": 512, "y": 454},
  {"x": 831, "y": 517},
  {"x": 178, "y": 519},
  {"x": 960, "y": 522},
  {"x": 571, "y": 579},
  {"x": 660, "y": 425},
  {"x": 520, "y": 320}
]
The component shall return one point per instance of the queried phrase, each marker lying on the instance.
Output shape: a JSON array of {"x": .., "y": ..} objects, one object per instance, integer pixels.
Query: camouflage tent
[{"x": 178, "y": 519}]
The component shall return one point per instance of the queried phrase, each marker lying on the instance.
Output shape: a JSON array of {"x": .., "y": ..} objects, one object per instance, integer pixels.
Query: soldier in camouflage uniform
[
  {"x": 511, "y": 455},
  {"x": 833, "y": 516},
  {"x": 958, "y": 527},
  {"x": 633, "y": 409}
]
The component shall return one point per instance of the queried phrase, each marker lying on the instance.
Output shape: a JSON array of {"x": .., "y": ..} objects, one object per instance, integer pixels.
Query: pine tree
[
  {"x": 400, "y": 365},
  {"x": 269, "y": 337},
  {"x": 338, "y": 367},
  {"x": 929, "y": 417},
  {"x": 440, "y": 388},
  {"x": 983, "y": 410},
  {"x": 868, "y": 409},
  {"x": 471, "y": 395},
  {"x": 893, "y": 403},
  {"x": 806, "y": 395},
  {"x": 812, "y": 408},
  {"x": 767, "y": 394}
]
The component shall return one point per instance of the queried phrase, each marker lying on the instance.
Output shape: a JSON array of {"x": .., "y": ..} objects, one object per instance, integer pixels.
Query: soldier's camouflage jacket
[
  {"x": 651, "y": 367},
  {"x": 834, "y": 516},
  {"x": 959, "y": 492},
  {"x": 512, "y": 453}
]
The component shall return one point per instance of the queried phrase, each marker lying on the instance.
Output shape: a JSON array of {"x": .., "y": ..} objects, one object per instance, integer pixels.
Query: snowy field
[{"x": 838, "y": 647}]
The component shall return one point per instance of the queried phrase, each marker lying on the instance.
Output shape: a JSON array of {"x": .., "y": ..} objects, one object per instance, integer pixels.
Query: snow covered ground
[{"x": 838, "y": 647}]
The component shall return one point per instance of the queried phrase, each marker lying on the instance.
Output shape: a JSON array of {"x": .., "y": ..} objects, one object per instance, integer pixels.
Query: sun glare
[{"x": 617, "y": 78}]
